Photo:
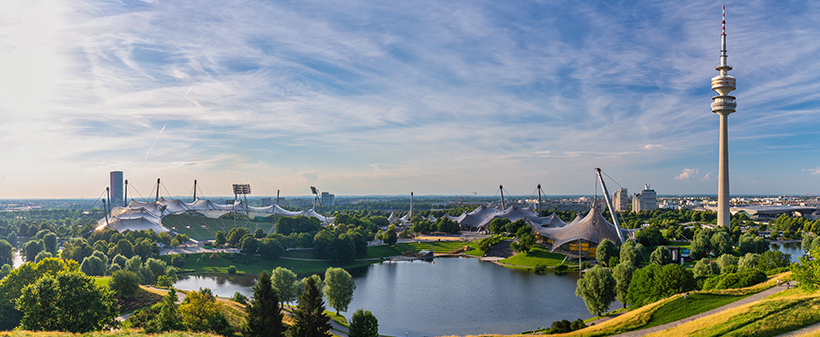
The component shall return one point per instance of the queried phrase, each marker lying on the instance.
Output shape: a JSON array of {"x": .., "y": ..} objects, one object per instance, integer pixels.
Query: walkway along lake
[{"x": 451, "y": 296}]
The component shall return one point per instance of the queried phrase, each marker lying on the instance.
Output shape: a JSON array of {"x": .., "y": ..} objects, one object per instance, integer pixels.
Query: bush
[
  {"x": 741, "y": 279},
  {"x": 561, "y": 268},
  {"x": 540, "y": 268},
  {"x": 239, "y": 298},
  {"x": 178, "y": 261},
  {"x": 232, "y": 270},
  {"x": 124, "y": 283}
]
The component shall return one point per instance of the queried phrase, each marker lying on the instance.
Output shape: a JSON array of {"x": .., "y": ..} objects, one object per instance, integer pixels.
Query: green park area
[{"x": 537, "y": 255}]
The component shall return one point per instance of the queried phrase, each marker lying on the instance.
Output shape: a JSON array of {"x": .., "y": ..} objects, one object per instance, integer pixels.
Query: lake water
[
  {"x": 451, "y": 296},
  {"x": 794, "y": 248}
]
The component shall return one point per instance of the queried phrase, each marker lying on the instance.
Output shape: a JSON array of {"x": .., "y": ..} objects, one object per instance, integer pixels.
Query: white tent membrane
[
  {"x": 592, "y": 228},
  {"x": 148, "y": 215}
]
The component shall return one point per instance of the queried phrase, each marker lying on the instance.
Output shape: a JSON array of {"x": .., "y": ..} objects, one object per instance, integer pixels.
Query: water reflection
[
  {"x": 450, "y": 296},
  {"x": 793, "y": 248}
]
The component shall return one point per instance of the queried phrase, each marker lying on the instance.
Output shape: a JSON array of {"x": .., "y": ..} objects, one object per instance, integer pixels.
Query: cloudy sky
[{"x": 388, "y": 97}]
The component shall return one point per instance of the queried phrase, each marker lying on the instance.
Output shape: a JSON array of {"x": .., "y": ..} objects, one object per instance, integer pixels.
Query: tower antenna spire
[{"x": 723, "y": 104}]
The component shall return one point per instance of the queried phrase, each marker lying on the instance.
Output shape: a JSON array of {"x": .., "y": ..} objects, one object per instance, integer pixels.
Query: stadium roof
[{"x": 148, "y": 215}]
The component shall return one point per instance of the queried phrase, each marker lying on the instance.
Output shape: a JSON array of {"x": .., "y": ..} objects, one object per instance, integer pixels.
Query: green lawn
[
  {"x": 681, "y": 308},
  {"x": 537, "y": 255},
  {"x": 103, "y": 281}
]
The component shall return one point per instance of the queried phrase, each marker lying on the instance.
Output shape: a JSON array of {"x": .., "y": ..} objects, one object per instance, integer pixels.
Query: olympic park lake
[
  {"x": 448, "y": 296},
  {"x": 455, "y": 296}
]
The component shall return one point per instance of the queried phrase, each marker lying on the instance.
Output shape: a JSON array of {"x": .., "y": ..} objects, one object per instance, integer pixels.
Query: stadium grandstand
[{"x": 150, "y": 215}]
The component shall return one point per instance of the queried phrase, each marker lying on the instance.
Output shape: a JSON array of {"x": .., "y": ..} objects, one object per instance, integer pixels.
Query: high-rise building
[
  {"x": 116, "y": 190},
  {"x": 645, "y": 200},
  {"x": 327, "y": 199},
  {"x": 723, "y": 105},
  {"x": 621, "y": 200},
  {"x": 267, "y": 202}
]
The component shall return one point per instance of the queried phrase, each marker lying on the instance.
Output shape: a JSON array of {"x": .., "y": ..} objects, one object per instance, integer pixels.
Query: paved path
[
  {"x": 805, "y": 330},
  {"x": 750, "y": 299}
]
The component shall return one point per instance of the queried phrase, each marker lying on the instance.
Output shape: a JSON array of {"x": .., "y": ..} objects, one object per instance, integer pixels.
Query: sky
[{"x": 389, "y": 97}]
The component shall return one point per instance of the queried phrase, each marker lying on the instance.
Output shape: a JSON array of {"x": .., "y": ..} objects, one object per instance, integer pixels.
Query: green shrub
[
  {"x": 239, "y": 298},
  {"x": 232, "y": 270},
  {"x": 735, "y": 280},
  {"x": 540, "y": 268}
]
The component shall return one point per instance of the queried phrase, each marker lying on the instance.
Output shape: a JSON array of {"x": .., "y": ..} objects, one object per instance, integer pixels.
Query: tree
[
  {"x": 727, "y": 263},
  {"x": 339, "y": 288},
  {"x": 597, "y": 289},
  {"x": 200, "y": 312},
  {"x": 6, "y": 255},
  {"x": 524, "y": 240},
  {"x": 264, "y": 313},
  {"x": 248, "y": 244},
  {"x": 51, "y": 304},
  {"x": 363, "y": 324},
  {"x": 706, "y": 268},
  {"x": 124, "y": 283},
  {"x": 661, "y": 256},
  {"x": 721, "y": 243},
  {"x": 623, "y": 276},
  {"x": 309, "y": 318},
  {"x": 50, "y": 241},
  {"x": 220, "y": 238},
  {"x": 773, "y": 259},
  {"x": 605, "y": 251},
  {"x": 748, "y": 261},
  {"x": 631, "y": 253},
  {"x": 236, "y": 235},
  {"x": 32, "y": 248},
  {"x": 285, "y": 283},
  {"x": 168, "y": 317},
  {"x": 93, "y": 266},
  {"x": 259, "y": 233},
  {"x": 270, "y": 248},
  {"x": 655, "y": 282},
  {"x": 125, "y": 248},
  {"x": 390, "y": 236}
]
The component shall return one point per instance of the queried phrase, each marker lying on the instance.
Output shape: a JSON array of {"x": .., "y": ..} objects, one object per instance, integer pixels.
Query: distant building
[
  {"x": 280, "y": 201},
  {"x": 328, "y": 199},
  {"x": 645, "y": 200},
  {"x": 621, "y": 200},
  {"x": 116, "y": 189},
  {"x": 267, "y": 202}
]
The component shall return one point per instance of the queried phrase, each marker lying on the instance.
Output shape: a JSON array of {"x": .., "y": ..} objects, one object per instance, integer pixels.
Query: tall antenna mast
[
  {"x": 539, "y": 199},
  {"x": 723, "y": 105},
  {"x": 157, "y": 200},
  {"x": 125, "y": 200},
  {"x": 194, "y": 191}
]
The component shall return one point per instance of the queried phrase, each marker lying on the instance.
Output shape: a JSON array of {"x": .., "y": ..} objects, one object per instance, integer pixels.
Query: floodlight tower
[
  {"x": 316, "y": 194},
  {"x": 723, "y": 105}
]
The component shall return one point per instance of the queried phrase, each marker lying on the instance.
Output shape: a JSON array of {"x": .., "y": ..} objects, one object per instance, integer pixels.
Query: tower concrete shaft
[{"x": 723, "y": 105}]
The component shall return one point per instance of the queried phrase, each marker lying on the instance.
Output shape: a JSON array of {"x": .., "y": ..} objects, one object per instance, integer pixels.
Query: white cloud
[
  {"x": 813, "y": 171},
  {"x": 687, "y": 173},
  {"x": 310, "y": 177},
  {"x": 707, "y": 176}
]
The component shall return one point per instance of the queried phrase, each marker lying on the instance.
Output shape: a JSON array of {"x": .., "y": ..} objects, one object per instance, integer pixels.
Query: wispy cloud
[
  {"x": 813, "y": 171},
  {"x": 425, "y": 89}
]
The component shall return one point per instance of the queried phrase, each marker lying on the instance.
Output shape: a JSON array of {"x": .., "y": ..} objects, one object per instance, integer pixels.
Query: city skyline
[{"x": 364, "y": 98}]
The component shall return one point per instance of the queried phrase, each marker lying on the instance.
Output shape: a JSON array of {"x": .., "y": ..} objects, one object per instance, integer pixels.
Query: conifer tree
[
  {"x": 309, "y": 318},
  {"x": 264, "y": 314}
]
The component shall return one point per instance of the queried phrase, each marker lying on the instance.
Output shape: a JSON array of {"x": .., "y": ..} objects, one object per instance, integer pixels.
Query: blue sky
[{"x": 373, "y": 97}]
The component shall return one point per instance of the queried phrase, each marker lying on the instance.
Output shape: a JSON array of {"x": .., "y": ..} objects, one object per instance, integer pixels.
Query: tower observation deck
[{"x": 723, "y": 105}]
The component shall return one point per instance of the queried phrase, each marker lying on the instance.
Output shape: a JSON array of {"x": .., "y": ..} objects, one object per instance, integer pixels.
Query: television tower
[{"x": 723, "y": 105}]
